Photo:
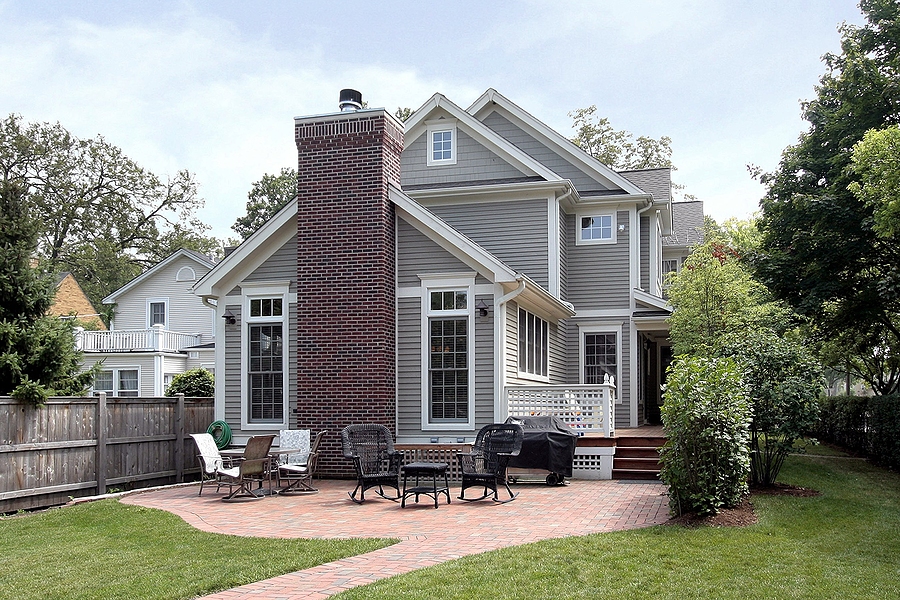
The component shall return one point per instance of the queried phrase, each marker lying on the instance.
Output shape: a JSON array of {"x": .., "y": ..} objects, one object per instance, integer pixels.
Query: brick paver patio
[{"x": 428, "y": 535}]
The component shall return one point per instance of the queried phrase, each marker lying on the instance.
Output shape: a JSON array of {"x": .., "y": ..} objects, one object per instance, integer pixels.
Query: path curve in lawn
[{"x": 428, "y": 536}]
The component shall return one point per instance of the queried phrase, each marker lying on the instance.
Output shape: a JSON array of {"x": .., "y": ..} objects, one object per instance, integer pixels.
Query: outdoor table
[{"x": 425, "y": 469}]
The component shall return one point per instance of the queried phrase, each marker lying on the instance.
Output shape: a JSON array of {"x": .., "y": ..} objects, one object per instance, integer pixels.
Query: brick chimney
[{"x": 346, "y": 285}]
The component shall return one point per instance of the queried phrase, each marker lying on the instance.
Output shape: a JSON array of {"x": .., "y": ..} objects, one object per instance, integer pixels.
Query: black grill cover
[{"x": 549, "y": 444}]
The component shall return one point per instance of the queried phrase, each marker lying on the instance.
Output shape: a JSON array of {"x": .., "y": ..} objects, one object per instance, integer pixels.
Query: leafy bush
[
  {"x": 196, "y": 383},
  {"x": 884, "y": 430},
  {"x": 784, "y": 382},
  {"x": 706, "y": 415},
  {"x": 869, "y": 425}
]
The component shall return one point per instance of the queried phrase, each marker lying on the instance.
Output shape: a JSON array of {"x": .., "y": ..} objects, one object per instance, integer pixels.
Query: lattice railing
[{"x": 586, "y": 408}]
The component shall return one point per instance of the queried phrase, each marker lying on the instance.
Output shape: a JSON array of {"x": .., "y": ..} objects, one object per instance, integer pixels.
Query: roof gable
[
  {"x": 196, "y": 257},
  {"x": 492, "y": 101}
]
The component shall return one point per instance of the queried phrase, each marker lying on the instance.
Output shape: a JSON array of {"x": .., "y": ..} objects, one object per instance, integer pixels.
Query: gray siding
[
  {"x": 598, "y": 275},
  {"x": 474, "y": 163},
  {"x": 417, "y": 254},
  {"x": 484, "y": 367},
  {"x": 522, "y": 245},
  {"x": 645, "y": 253},
  {"x": 623, "y": 385},
  {"x": 531, "y": 146},
  {"x": 281, "y": 266}
]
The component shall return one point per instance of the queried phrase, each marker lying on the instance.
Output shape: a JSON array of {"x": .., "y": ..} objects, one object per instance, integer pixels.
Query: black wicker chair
[
  {"x": 377, "y": 464},
  {"x": 485, "y": 466}
]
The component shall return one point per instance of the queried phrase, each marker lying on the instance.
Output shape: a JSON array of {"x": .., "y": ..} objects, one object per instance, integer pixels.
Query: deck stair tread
[{"x": 637, "y": 457}]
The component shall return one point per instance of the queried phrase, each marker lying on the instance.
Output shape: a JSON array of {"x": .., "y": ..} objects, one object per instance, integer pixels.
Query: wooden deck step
[{"x": 637, "y": 457}]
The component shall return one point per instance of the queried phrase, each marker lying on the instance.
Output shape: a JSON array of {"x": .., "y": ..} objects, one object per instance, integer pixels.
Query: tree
[
  {"x": 267, "y": 196},
  {"x": 876, "y": 160},
  {"x": 403, "y": 114},
  {"x": 102, "y": 216},
  {"x": 820, "y": 249},
  {"x": 194, "y": 383},
  {"x": 37, "y": 351},
  {"x": 618, "y": 149}
]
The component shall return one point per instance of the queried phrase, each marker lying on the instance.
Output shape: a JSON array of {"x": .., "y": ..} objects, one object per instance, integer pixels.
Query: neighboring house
[
  {"x": 70, "y": 301},
  {"x": 687, "y": 232},
  {"x": 159, "y": 329},
  {"x": 425, "y": 273}
]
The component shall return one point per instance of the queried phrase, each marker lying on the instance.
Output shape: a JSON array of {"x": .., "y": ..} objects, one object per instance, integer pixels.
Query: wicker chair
[
  {"x": 485, "y": 466},
  {"x": 253, "y": 469},
  {"x": 298, "y": 470},
  {"x": 377, "y": 464}
]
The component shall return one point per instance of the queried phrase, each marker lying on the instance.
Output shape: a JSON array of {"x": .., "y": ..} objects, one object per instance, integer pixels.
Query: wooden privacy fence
[{"x": 85, "y": 446}]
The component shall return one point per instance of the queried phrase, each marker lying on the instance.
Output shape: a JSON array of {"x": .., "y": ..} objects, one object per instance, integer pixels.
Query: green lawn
[
  {"x": 843, "y": 544},
  {"x": 106, "y": 550}
]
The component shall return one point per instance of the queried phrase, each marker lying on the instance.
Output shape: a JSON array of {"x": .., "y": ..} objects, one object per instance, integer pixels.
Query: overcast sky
[{"x": 212, "y": 87}]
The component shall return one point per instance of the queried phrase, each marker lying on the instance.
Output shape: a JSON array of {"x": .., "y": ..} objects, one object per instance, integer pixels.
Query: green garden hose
[{"x": 221, "y": 433}]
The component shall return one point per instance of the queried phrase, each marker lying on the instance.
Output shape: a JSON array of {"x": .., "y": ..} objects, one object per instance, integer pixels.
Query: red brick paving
[{"x": 428, "y": 536}]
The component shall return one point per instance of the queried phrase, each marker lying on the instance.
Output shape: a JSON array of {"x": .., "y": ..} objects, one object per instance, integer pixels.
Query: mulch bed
[{"x": 742, "y": 514}]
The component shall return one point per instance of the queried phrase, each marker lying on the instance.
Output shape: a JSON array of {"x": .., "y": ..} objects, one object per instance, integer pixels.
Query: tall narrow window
[
  {"x": 534, "y": 344},
  {"x": 266, "y": 373},
  {"x": 600, "y": 357},
  {"x": 441, "y": 145},
  {"x": 448, "y": 357}
]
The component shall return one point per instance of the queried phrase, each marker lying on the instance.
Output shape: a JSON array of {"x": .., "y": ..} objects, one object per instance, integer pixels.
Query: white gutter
[{"x": 500, "y": 409}]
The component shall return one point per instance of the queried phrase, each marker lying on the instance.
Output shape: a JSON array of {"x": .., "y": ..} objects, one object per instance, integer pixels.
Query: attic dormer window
[{"x": 442, "y": 143}]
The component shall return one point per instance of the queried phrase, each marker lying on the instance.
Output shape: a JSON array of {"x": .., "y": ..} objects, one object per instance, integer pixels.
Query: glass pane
[
  {"x": 255, "y": 308},
  {"x": 276, "y": 307},
  {"x": 461, "y": 300}
]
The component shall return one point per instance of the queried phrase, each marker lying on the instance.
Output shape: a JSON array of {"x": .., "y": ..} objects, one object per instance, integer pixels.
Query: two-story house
[
  {"x": 429, "y": 272},
  {"x": 159, "y": 329}
]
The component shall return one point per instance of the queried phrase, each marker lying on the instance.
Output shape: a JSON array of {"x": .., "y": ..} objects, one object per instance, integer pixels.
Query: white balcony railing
[
  {"x": 586, "y": 408},
  {"x": 135, "y": 340}
]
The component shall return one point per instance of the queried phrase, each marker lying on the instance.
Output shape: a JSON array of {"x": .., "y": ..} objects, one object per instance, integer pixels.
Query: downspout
[
  {"x": 500, "y": 348},
  {"x": 219, "y": 385}
]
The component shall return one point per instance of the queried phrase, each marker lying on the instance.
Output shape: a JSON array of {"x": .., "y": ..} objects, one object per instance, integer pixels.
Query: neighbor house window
[
  {"x": 597, "y": 229},
  {"x": 117, "y": 382},
  {"x": 157, "y": 312},
  {"x": 442, "y": 143},
  {"x": 534, "y": 344},
  {"x": 600, "y": 357},
  {"x": 447, "y": 354},
  {"x": 670, "y": 266}
]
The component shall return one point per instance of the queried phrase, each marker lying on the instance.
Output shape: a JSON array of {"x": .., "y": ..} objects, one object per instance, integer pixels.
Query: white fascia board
[
  {"x": 417, "y": 125},
  {"x": 491, "y": 98},
  {"x": 111, "y": 299},
  {"x": 543, "y": 303},
  {"x": 529, "y": 190},
  {"x": 250, "y": 254},
  {"x": 450, "y": 239},
  {"x": 651, "y": 300}
]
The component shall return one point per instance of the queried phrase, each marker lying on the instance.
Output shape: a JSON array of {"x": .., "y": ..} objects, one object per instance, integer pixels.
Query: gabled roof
[
  {"x": 687, "y": 225},
  {"x": 252, "y": 252},
  {"x": 492, "y": 99},
  {"x": 197, "y": 257},
  {"x": 417, "y": 124}
]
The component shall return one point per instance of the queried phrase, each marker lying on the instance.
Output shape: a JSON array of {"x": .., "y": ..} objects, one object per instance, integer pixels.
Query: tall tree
[
  {"x": 820, "y": 251},
  {"x": 616, "y": 149},
  {"x": 267, "y": 196},
  {"x": 37, "y": 351},
  {"x": 102, "y": 216}
]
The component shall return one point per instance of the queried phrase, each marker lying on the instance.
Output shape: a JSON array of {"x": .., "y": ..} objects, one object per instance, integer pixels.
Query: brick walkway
[{"x": 428, "y": 536}]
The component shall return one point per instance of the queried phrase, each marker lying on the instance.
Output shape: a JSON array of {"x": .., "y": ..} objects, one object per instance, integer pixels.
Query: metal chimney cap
[{"x": 350, "y": 100}]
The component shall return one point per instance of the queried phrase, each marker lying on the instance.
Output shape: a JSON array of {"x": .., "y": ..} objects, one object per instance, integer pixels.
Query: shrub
[
  {"x": 706, "y": 415},
  {"x": 784, "y": 382},
  {"x": 884, "y": 430},
  {"x": 196, "y": 383},
  {"x": 868, "y": 425}
]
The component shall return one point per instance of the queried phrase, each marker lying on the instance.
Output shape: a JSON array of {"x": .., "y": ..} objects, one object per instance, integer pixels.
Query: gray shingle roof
[
  {"x": 653, "y": 181},
  {"x": 687, "y": 224}
]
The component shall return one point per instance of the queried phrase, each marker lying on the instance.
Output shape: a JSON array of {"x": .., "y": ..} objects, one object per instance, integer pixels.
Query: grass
[
  {"x": 110, "y": 550},
  {"x": 844, "y": 543}
]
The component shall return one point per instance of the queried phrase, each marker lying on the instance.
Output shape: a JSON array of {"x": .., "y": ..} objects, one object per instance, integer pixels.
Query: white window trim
[
  {"x": 115, "y": 380},
  {"x": 583, "y": 330},
  {"x": 156, "y": 301},
  {"x": 615, "y": 229},
  {"x": 440, "y": 284},
  {"x": 250, "y": 292},
  {"x": 189, "y": 274},
  {"x": 433, "y": 127},
  {"x": 525, "y": 374}
]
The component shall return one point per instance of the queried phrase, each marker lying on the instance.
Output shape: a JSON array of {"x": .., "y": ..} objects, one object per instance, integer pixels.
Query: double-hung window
[
  {"x": 600, "y": 351},
  {"x": 117, "y": 382},
  {"x": 596, "y": 229},
  {"x": 534, "y": 345},
  {"x": 448, "y": 348},
  {"x": 156, "y": 311},
  {"x": 265, "y": 375}
]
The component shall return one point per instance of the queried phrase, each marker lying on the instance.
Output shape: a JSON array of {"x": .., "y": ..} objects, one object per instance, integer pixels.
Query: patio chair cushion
[{"x": 294, "y": 438}]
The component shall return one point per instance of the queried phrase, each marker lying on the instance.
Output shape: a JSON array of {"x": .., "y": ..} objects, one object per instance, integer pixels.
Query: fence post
[
  {"x": 179, "y": 439},
  {"x": 102, "y": 417}
]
